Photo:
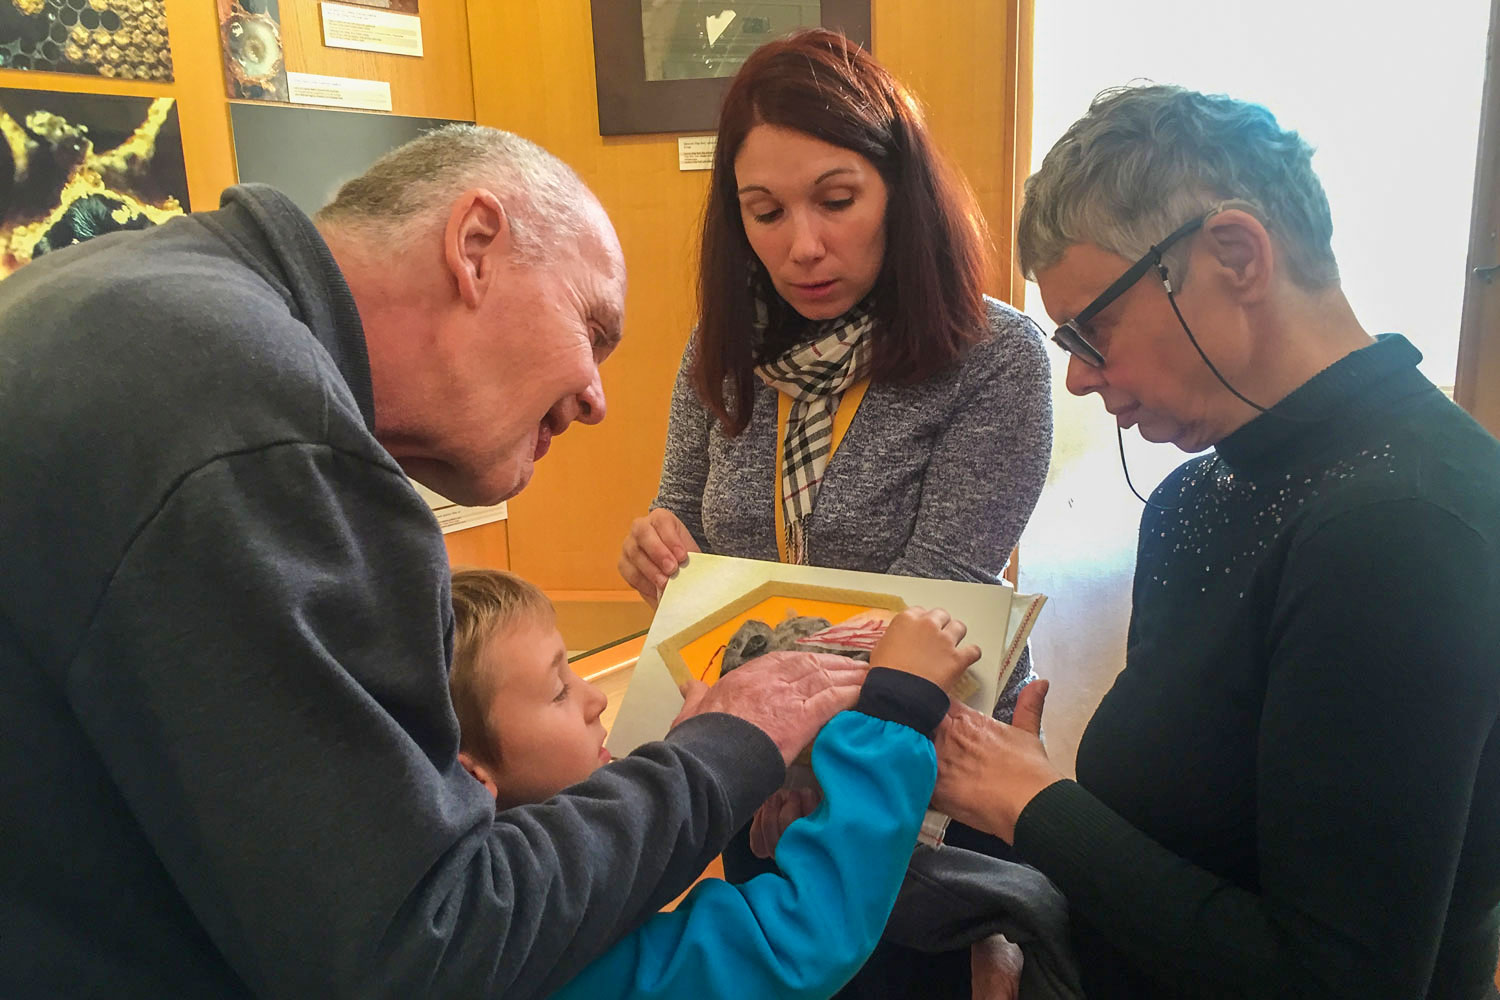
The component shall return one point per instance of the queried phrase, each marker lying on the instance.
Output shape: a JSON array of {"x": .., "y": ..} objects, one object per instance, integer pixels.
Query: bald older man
[{"x": 229, "y": 760}]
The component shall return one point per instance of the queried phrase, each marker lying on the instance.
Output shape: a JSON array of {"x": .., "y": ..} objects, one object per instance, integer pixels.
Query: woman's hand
[
  {"x": 995, "y": 969},
  {"x": 988, "y": 771},
  {"x": 657, "y": 544},
  {"x": 926, "y": 643}
]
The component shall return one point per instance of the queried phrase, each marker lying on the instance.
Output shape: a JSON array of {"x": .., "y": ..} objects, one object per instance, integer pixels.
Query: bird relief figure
[{"x": 854, "y": 637}]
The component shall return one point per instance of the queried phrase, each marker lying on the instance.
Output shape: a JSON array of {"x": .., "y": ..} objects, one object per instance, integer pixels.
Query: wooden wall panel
[
  {"x": 959, "y": 56},
  {"x": 566, "y": 527},
  {"x": 482, "y": 547},
  {"x": 438, "y": 85},
  {"x": 963, "y": 61},
  {"x": 1477, "y": 386}
]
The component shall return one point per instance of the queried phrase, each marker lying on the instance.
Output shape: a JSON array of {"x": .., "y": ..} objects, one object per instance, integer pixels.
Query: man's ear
[
  {"x": 476, "y": 239},
  {"x": 482, "y": 772},
  {"x": 1242, "y": 247}
]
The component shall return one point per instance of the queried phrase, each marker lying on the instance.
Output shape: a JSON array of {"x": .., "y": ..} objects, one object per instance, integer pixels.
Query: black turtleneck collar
[{"x": 1372, "y": 377}]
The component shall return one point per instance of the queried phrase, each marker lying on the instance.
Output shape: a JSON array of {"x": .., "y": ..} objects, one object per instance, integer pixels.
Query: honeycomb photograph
[{"x": 118, "y": 39}]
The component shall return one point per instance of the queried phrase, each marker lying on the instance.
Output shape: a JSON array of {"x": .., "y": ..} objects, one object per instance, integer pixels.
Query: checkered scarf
[{"x": 815, "y": 375}]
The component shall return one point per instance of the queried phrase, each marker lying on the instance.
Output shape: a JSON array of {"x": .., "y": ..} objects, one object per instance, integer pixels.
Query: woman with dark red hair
[
  {"x": 842, "y": 316},
  {"x": 842, "y": 313}
]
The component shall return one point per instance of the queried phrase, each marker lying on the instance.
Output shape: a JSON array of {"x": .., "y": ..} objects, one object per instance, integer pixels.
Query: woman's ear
[
  {"x": 1243, "y": 251},
  {"x": 482, "y": 773},
  {"x": 477, "y": 237}
]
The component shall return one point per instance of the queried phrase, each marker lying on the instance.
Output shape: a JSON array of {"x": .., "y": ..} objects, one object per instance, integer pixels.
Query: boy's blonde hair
[{"x": 485, "y": 601}]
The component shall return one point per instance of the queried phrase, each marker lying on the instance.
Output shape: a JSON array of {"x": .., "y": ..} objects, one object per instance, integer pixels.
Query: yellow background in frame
[{"x": 703, "y": 655}]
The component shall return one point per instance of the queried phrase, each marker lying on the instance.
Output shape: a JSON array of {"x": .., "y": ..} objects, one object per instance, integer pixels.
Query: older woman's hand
[
  {"x": 657, "y": 544},
  {"x": 995, "y": 969},
  {"x": 988, "y": 771}
]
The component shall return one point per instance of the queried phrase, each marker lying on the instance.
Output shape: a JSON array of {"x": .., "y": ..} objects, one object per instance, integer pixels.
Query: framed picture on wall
[
  {"x": 74, "y": 166},
  {"x": 664, "y": 65}
]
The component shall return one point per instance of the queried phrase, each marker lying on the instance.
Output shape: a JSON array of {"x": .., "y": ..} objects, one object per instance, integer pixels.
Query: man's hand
[
  {"x": 657, "y": 544},
  {"x": 693, "y": 693},
  {"x": 926, "y": 643},
  {"x": 788, "y": 696},
  {"x": 988, "y": 771}
]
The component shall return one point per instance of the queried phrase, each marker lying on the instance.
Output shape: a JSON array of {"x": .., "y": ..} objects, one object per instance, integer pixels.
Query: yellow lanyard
[{"x": 842, "y": 418}]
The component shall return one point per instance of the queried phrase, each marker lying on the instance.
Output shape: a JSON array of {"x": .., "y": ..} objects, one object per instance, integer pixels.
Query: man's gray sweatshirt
[{"x": 228, "y": 760}]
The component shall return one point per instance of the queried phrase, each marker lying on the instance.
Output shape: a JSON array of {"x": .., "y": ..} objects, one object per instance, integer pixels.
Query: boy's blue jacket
[{"x": 804, "y": 932}]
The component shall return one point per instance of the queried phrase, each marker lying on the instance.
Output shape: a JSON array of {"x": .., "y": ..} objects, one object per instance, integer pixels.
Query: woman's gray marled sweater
[{"x": 933, "y": 480}]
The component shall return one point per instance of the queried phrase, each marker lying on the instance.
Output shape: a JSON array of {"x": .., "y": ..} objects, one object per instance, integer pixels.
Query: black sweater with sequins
[{"x": 1293, "y": 788}]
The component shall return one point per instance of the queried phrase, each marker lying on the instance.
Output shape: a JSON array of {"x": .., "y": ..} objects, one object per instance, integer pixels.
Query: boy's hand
[
  {"x": 926, "y": 643},
  {"x": 781, "y": 810}
]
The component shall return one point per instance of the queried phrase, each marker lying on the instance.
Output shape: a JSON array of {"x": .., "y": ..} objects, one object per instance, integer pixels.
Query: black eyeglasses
[{"x": 1070, "y": 336}]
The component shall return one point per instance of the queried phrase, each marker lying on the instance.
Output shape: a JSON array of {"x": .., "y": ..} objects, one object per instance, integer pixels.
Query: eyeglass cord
[
  {"x": 1120, "y": 437},
  {"x": 1166, "y": 282},
  {"x": 1172, "y": 300}
]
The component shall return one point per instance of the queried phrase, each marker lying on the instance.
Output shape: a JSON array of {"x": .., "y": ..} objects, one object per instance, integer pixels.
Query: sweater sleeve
[
  {"x": 283, "y": 736},
  {"x": 805, "y": 931},
  {"x": 989, "y": 463},
  {"x": 1381, "y": 697},
  {"x": 684, "y": 466}
]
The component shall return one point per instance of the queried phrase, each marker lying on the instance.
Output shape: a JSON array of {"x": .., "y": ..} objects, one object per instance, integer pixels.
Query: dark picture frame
[{"x": 630, "y": 104}]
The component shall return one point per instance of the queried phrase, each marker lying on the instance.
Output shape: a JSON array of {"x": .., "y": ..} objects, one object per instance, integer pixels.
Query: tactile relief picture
[
  {"x": 121, "y": 39},
  {"x": 77, "y": 166}
]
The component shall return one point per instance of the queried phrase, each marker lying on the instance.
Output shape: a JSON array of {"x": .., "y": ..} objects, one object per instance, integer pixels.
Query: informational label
[
  {"x": 456, "y": 518},
  {"x": 696, "y": 152},
  {"x": 371, "y": 30},
  {"x": 338, "y": 91},
  {"x": 453, "y": 517}
]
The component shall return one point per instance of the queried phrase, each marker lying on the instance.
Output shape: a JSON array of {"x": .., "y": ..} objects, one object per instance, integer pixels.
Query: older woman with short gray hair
[{"x": 1293, "y": 788}]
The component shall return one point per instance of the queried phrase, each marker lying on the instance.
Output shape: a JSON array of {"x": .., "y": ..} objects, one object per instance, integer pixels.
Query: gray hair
[
  {"x": 1146, "y": 159},
  {"x": 545, "y": 202}
]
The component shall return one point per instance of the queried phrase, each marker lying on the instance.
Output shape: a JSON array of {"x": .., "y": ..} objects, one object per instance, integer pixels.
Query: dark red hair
[{"x": 928, "y": 297}]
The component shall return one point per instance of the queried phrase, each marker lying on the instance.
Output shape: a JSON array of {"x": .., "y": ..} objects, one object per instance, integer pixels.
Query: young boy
[{"x": 530, "y": 727}]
